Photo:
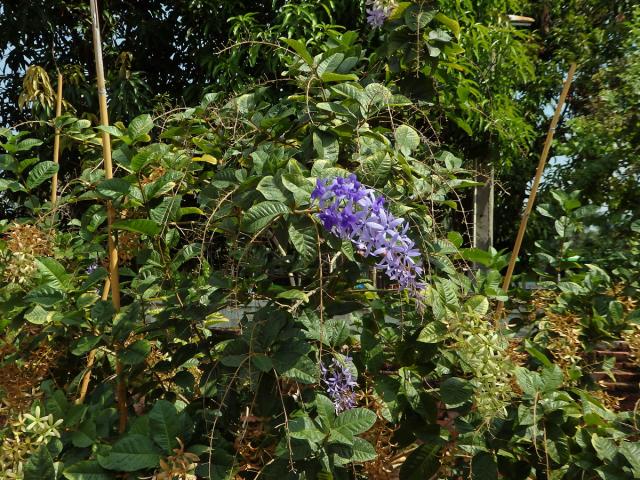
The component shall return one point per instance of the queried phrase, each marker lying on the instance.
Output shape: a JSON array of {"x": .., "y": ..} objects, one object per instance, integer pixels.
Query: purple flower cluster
[
  {"x": 378, "y": 11},
  {"x": 92, "y": 268},
  {"x": 351, "y": 211},
  {"x": 340, "y": 383}
]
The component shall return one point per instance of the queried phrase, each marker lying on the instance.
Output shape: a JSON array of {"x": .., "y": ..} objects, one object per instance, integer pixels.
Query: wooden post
[
  {"x": 483, "y": 196},
  {"x": 114, "y": 277},
  {"x": 534, "y": 189},
  {"x": 56, "y": 145}
]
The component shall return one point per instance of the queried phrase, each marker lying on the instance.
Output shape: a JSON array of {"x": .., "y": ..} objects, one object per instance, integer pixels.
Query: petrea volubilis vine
[
  {"x": 339, "y": 383},
  {"x": 351, "y": 211}
]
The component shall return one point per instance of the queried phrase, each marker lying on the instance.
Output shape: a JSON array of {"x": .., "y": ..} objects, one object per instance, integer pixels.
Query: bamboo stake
[
  {"x": 84, "y": 386},
  {"x": 114, "y": 276},
  {"x": 534, "y": 188},
  {"x": 56, "y": 144}
]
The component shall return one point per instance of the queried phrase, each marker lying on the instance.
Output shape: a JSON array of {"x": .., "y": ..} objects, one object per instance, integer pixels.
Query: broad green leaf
[
  {"x": 355, "y": 421},
  {"x": 270, "y": 190},
  {"x": 294, "y": 294},
  {"x": 530, "y": 382},
  {"x": 300, "y": 49},
  {"x": 53, "y": 272},
  {"x": 455, "y": 391},
  {"x": 478, "y": 304},
  {"x": 135, "y": 353},
  {"x": 484, "y": 467},
  {"x": 87, "y": 470},
  {"x": 143, "y": 226},
  {"x": 407, "y": 139},
  {"x": 330, "y": 64},
  {"x": 261, "y": 214},
  {"x": 165, "y": 426},
  {"x": 296, "y": 366},
  {"x": 111, "y": 130},
  {"x": 304, "y": 241},
  {"x": 113, "y": 188},
  {"x": 140, "y": 126},
  {"x": 40, "y": 466},
  {"x": 303, "y": 428},
  {"x": 416, "y": 18},
  {"x": 631, "y": 452},
  {"x": 362, "y": 451},
  {"x": 85, "y": 344},
  {"x": 44, "y": 295},
  {"x": 131, "y": 453},
  {"x": 86, "y": 434},
  {"x": 28, "y": 144},
  {"x": 605, "y": 448},
  {"x": 39, "y": 174},
  {"x": 338, "y": 77},
  {"x": 453, "y": 25},
  {"x": 422, "y": 463},
  {"x": 552, "y": 378}
]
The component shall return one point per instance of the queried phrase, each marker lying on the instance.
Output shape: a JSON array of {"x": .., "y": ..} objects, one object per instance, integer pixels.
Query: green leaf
[
  {"x": 270, "y": 190},
  {"x": 355, "y": 421},
  {"x": 300, "y": 49},
  {"x": 529, "y": 382},
  {"x": 477, "y": 255},
  {"x": 261, "y": 214},
  {"x": 39, "y": 174},
  {"x": 294, "y": 294},
  {"x": 407, "y": 139},
  {"x": 40, "y": 316},
  {"x": 140, "y": 126},
  {"x": 455, "y": 391},
  {"x": 362, "y": 451},
  {"x": 165, "y": 427},
  {"x": 303, "y": 428},
  {"x": 143, "y": 226},
  {"x": 552, "y": 378},
  {"x": 86, "y": 470},
  {"x": 338, "y": 77},
  {"x": 86, "y": 435},
  {"x": 422, "y": 464},
  {"x": 296, "y": 366},
  {"x": 478, "y": 304},
  {"x": 631, "y": 452},
  {"x": 304, "y": 241},
  {"x": 85, "y": 344},
  {"x": 330, "y": 64},
  {"x": 40, "y": 465},
  {"x": 111, "y": 130},
  {"x": 54, "y": 273},
  {"x": 453, "y": 25},
  {"x": 44, "y": 295},
  {"x": 28, "y": 144},
  {"x": 131, "y": 453},
  {"x": 416, "y": 18},
  {"x": 605, "y": 448},
  {"x": 113, "y": 188},
  {"x": 484, "y": 467},
  {"x": 135, "y": 353}
]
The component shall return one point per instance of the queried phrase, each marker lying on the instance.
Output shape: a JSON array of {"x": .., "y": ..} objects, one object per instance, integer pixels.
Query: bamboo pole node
[{"x": 534, "y": 190}]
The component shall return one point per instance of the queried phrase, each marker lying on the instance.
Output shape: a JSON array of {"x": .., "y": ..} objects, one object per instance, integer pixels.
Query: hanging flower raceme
[
  {"x": 340, "y": 383},
  {"x": 353, "y": 212},
  {"x": 378, "y": 11}
]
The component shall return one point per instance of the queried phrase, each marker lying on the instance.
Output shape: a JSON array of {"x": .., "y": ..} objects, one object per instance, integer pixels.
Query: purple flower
[
  {"x": 380, "y": 10},
  {"x": 340, "y": 383},
  {"x": 92, "y": 268},
  {"x": 376, "y": 17},
  {"x": 353, "y": 212}
]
